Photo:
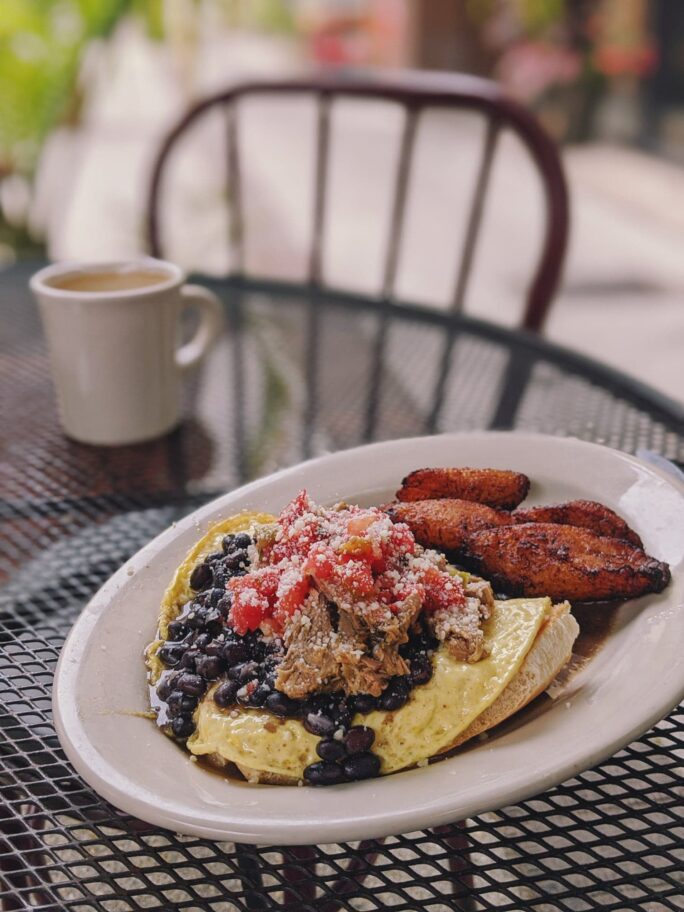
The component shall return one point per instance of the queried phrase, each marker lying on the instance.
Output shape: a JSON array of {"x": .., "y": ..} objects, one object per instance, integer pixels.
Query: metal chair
[{"x": 414, "y": 92}]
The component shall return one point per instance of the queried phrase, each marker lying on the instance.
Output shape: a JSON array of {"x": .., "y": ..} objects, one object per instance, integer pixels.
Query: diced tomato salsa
[{"x": 352, "y": 554}]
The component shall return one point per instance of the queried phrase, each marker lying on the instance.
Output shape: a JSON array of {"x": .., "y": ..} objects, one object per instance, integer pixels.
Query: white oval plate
[{"x": 635, "y": 679}]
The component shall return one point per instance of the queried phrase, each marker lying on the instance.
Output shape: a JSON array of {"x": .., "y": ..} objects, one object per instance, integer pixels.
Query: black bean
[
  {"x": 209, "y": 667},
  {"x": 324, "y": 773},
  {"x": 236, "y": 560},
  {"x": 183, "y": 727},
  {"x": 328, "y": 703},
  {"x": 274, "y": 647},
  {"x": 429, "y": 643},
  {"x": 330, "y": 749},
  {"x": 201, "y": 641},
  {"x": 361, "y": 766},
  {"x": 195, "y": 617},
  {"x": 235, "y": 652},
  {"x": 395, "y": 694},
  {"x": 214, "y": 647},
  {"x": 213, "y": 596},
  {"x": 225, "y": 693},
  {"x": 165, "y": 685},
  {"x": 220, "y": 575},
  {"x": 224, "y": 604},
  {"x": 243, "y": 672},
  {"x": 213, "y": 557},
  {"x": 244, "y": 694},
  {"x": 189, "y": 703},
  {"x": 281, "y": 705},
  {"x": 269, "y": 669},
  {"x": 213, "y": 618},
  {"x": 187, "y": 662},
  {"x": 177, "y": 630},
  {"x": 260, "y": 694},
  {"x": 191, "y": 684},
  {"x": 318, "y": 724},
  {"x": 256, "y": 646},
  {"x": 242, "y": 540},
  {"x": 173, "y": 701},
  {"x": 343, "y": 718},
  {"x": 200, "y": 577},
  {"x": 171, "y": 653},
  {"x": 365, "y": 703},
  {"x": 359, "y": 739},
  {"x": 181, "y": 704},
  {"x": 227, "y": 543},
  {"x": 421, "y": 669},
  {"x": 337, "y": 705}
]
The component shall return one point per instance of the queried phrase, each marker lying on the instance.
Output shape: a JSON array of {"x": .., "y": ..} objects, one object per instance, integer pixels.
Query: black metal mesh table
[{"x": 297, "y": 374}]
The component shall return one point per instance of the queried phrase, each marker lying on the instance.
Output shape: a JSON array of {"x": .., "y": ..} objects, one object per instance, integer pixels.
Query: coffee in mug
[
  {"x": 108, "y": 280},
  {"x": 113, "y": 333}
]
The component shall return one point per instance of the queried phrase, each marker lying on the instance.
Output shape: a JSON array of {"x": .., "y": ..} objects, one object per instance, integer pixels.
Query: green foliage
[
  {"x": 41, "y": 47},
  {"x": 152, "y": 14},
  {"x": 538, "y": 15},
  {"x": 534, "y": 17},
  {"x": 265, "y": 15},
  {"x": 273, "y": 15}
]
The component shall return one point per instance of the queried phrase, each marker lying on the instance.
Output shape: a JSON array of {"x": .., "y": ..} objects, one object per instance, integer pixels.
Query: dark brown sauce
[
  {"x": 160, "y": 718},
  {"x": 159, "y": 707},
  {"x": 596, "y": 620},
  {"x": 228, "y": 771}
]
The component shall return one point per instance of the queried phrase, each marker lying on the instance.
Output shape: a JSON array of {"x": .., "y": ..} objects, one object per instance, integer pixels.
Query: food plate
[{"x": 636, "y": 677}]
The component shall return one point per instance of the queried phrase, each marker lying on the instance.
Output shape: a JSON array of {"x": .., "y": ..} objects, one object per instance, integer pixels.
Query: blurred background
[{"x": 89, "y": 88}]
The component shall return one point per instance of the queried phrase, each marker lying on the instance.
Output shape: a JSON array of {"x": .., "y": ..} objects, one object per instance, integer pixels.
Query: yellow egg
[
  {"x": 427, "y": 725},
  {"x": 179, "y": 592},
  {"x": 458, "y": 692}
]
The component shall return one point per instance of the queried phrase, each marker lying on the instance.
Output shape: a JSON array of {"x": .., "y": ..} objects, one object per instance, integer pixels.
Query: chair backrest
[{"x": 414, "y": 92}]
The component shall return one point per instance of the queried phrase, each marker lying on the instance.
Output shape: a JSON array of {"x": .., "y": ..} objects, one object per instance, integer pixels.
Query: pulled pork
[
  {"x": 461, "y": 629},
  {"x": 332, "y": 648}
]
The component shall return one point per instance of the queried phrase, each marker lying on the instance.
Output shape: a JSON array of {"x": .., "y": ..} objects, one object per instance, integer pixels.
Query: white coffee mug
[{"x": 113, "y": 331}]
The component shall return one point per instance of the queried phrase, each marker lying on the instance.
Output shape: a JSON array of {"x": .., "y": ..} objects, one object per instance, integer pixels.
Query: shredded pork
[{"x": 461, "y": 629}]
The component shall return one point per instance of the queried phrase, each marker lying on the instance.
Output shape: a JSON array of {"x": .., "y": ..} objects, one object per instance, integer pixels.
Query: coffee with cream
[
  {"x": 114, "y": 335},
  {"x": 108, "y": 280}
]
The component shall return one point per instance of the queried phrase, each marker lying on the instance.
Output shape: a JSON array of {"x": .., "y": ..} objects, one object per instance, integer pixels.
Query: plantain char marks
[
  {"x": 587, "y": 514},
  {"x": 564, "y": 562},
  {"x": 494, "y": 487},
  {"x": 447, "y": 524}
]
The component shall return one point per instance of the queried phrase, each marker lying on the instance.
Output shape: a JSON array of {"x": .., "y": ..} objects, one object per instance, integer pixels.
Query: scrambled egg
[
  {"x": 179, "y": 592},
  {"x": 427, "y": 725}
]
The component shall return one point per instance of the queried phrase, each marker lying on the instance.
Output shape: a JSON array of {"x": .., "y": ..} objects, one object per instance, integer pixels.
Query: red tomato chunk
[{"x": 354, "y": 555}]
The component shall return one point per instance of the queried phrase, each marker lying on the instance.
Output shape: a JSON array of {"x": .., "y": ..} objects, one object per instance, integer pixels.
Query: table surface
[{"x": 298, "y": 373}]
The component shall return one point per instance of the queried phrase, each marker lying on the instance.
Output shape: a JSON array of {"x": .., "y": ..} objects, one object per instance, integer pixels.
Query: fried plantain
[
  {"x": 563, "y": 562},
  {"x": 446, "y": 524},
  {"x": 494, "y": 487},
  {"x": 587, "y": 514}
]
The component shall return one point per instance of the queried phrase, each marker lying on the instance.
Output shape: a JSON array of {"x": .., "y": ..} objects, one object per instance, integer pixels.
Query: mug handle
[{"x": 211, "y": 318}]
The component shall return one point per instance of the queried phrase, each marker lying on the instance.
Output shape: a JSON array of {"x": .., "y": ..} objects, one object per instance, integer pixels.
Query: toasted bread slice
[{"x": 550, "y": 651}]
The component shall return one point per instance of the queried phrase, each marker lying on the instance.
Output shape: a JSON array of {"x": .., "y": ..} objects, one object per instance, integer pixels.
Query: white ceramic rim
[
  {"x": 407, "y": 816},
  {"x": 40, "y": 281}
]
